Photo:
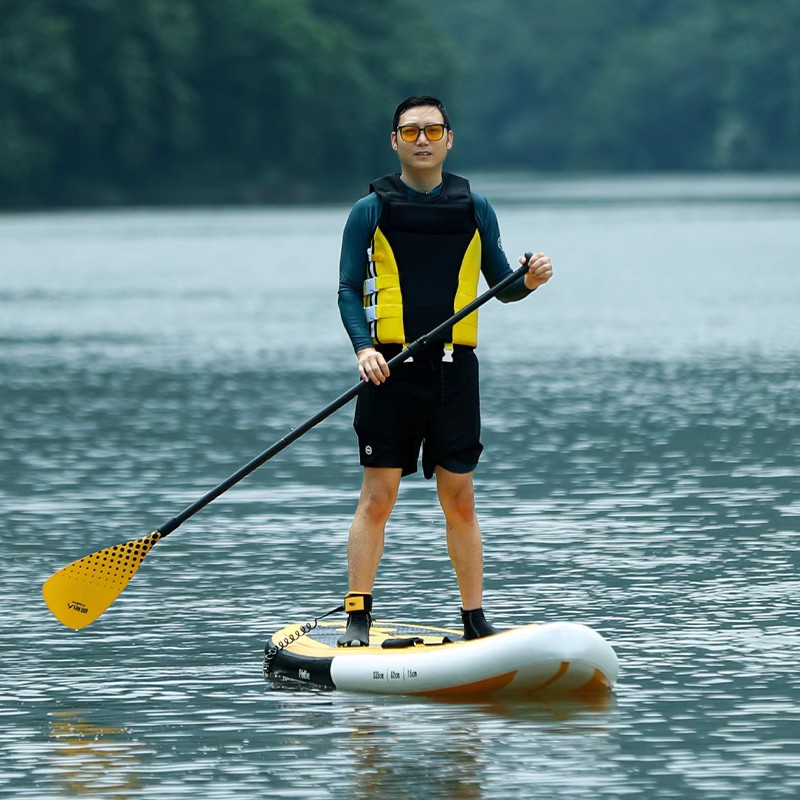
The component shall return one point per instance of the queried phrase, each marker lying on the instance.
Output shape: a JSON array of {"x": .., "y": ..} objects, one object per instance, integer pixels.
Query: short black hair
[{"x": 419, "y": 100}]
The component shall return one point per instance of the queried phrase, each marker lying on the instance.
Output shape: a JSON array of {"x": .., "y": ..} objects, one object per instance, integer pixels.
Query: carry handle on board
[{"x": 80, "y": 592}]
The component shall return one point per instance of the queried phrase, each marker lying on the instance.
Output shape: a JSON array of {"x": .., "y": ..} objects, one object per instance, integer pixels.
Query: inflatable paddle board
[{"x": 556, "y": 658}]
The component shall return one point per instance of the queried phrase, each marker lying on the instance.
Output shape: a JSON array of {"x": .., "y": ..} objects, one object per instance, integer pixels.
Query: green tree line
[
  {"x": 632, "y": 85},
  {"x": 197, "y": 101}
]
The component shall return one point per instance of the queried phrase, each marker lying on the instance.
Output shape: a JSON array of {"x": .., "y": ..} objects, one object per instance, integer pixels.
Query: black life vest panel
[{"x": 425, "y": 262}]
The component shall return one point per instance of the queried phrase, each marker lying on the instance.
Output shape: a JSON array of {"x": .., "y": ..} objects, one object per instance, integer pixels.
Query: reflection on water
[
  {"x": 379, "y": 766},
  {"x": 419, "y": 748},
  {"x": 641, "y": 475},
  {"x": 88, "y": 758}
]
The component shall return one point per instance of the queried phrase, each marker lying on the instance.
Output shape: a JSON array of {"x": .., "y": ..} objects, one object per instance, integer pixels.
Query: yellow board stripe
[{"x": 485, "y": 686}]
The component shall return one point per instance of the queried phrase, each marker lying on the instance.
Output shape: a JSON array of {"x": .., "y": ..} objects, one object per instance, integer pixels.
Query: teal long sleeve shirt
[{"x": 357, "y": 238}]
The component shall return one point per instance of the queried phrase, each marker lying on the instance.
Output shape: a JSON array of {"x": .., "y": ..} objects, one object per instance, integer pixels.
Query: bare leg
[
  {"x": 365, "y": 544},
  {"x": 365, "y": 548},
  {"x": 457, "y": 497}
]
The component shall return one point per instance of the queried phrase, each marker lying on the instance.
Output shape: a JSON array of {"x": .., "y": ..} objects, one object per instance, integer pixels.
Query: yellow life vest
[{"x": 424, "y": 263}]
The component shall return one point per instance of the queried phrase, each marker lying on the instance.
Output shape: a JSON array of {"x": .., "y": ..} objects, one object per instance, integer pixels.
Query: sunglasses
[{"x": 433, "y": 132}]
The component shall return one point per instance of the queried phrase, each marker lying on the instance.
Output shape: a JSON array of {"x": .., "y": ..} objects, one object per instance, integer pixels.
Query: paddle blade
[{"x": 80, "y": 592}]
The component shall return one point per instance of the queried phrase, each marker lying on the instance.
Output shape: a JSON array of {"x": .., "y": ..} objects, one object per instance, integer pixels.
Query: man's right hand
[{"x": 372, "y": 366}]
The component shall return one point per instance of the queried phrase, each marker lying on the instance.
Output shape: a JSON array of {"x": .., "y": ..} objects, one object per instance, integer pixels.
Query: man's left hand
[{"x": 540, "y": 270}]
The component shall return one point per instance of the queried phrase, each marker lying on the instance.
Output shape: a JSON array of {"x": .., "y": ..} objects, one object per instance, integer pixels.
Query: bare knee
[
  {"x": 376, "y": 505},
  {"x": 458, "y": 503},
  {"x": 377, "y": 501}
]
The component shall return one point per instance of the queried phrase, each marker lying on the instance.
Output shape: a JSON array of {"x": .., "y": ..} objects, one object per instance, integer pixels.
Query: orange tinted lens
[
  {"x": 409, "y": 133},
  {"x": 434, "y": 132}
]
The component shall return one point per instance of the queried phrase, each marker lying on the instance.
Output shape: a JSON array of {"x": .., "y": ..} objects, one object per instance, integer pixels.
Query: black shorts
[{"x": 427, "y": 403}]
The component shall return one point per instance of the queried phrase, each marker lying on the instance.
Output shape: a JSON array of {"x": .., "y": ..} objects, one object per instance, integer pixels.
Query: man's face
[{"x": 422, "y": 153}]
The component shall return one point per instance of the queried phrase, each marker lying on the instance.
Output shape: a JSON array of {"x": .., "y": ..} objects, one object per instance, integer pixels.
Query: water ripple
[{"x": 640, "y": 475}]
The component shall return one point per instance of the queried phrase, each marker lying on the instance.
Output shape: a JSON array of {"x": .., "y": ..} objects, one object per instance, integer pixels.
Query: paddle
[{"x": 80, "y": 592}]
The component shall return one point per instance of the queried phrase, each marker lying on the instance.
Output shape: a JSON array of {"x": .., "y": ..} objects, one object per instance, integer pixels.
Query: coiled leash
[{"x": 270, "y": 651}]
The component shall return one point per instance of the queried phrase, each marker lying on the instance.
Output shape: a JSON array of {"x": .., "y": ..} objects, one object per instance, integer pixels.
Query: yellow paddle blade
[{"x": 80, "y": 592}]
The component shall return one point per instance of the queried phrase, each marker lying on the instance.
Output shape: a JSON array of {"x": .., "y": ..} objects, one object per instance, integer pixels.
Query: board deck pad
[{"x": 327, "y": 632}]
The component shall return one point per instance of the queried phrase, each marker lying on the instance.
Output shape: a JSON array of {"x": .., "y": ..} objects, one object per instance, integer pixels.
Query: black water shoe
[
  {"x": 358, "y": 607},
  {"x": 475, "y": 624}
]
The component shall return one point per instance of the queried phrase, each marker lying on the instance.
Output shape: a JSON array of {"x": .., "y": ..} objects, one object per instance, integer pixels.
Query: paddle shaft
[{"x": 293, "y": 435}]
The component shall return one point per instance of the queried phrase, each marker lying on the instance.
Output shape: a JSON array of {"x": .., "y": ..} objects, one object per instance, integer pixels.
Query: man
[{"x": 412, "y": 251}]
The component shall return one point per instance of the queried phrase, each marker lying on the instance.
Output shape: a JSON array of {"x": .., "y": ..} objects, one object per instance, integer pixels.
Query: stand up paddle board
[{"x": 556, "y": 658}]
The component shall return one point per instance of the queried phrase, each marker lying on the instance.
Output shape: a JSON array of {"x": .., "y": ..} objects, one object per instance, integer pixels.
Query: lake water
[{"x": 641, "y": 475}]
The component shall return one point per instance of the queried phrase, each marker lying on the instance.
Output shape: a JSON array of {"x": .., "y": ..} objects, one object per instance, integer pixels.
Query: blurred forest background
[{"x": 257, "y": 101}]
